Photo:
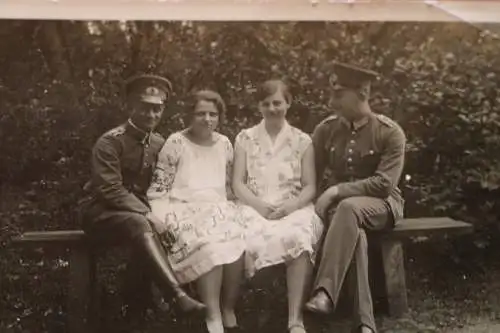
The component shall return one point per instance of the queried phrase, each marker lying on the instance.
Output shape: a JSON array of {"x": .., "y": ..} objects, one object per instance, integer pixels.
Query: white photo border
[{"x": 473, "y": 11}]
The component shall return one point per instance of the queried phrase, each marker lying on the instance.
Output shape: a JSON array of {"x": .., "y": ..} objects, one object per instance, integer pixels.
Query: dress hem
[
  {"x": 257, "y": 267},
  {"x": 190, "y": 273}
]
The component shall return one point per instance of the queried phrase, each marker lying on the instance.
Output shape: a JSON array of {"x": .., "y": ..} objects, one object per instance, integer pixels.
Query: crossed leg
[{"x": 345, "y": 246}]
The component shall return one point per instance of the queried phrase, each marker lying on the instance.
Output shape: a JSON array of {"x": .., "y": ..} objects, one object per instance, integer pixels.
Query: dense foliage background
[{"x": 60, "y": 89}]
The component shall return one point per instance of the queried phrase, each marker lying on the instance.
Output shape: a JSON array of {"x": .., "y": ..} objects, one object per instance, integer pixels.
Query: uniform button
[
  {"x": 352, "y": 142},
  {"x": 353, "y": 132},
  {"x": 349, "y": 160},
  {"x": 350, "y": 151}
]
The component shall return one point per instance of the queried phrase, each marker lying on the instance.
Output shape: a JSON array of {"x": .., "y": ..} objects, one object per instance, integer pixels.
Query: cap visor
[{"x": 152, "y": 99}]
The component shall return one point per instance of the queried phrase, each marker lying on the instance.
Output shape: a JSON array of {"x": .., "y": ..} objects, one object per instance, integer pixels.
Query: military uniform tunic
[
  {"x": 122, "y": 163},
  {"x": 364, "y": 160}
]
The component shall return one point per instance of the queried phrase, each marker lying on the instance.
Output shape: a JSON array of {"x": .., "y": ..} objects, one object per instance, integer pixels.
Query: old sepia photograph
[{"x": 326, "y": 168}]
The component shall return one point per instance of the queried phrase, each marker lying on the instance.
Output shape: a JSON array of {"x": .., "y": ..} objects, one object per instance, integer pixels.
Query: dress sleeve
[
  {"x": 304, "y": 142},
  {"x": 229, "y": 151},
  {"x": 241, "y": 140},
  {"x": 320, "y": 155},
  {"x": 166, "y": 167}
]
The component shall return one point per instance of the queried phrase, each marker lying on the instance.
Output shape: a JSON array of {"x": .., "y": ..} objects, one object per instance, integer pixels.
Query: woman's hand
[
  {"x": 158, "y": 224},
  {"x": 284, "y": 210},
  {"x": 264, "y": 209}
]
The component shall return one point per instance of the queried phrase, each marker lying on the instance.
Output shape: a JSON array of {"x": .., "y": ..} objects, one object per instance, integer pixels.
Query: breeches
[
  {"x": 345, "y": 249},
  {"x": 116, "y": 227}
]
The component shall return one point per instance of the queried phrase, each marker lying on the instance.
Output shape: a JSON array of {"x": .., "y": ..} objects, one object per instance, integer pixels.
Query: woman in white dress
[
  {"x": 190, "y": 193},
  {"x": 274, "y": 175}
]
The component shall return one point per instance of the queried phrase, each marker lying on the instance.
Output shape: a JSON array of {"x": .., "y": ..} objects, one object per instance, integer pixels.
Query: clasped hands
[{"x": 272, "y": 212}]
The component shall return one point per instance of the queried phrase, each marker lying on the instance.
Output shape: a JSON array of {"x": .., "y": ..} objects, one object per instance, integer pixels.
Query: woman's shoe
[
  {"x": 299, "y": 327},
  {"x": 362, "y": 327},
  {"x": 233, "y": 329}
]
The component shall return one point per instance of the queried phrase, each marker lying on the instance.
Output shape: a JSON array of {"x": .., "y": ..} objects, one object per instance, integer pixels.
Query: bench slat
[
  {"x": 429, "y": 226},
  {"x": 59, "y": 237},
  {"x": 413, "y": 227}
]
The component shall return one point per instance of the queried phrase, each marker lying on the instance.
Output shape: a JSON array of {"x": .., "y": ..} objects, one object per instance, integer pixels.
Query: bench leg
[
  {"x": 80, "y": 289},
  {"x": 94, "y": 309},
  {"x": 395, "y": 284},
  {"x": 377, "y": 276}
]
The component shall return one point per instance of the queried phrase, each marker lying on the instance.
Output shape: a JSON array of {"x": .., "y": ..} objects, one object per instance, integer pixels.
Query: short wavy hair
[
  {"x": 270, "y": 87},
  {"x": 207, "y": 96}
]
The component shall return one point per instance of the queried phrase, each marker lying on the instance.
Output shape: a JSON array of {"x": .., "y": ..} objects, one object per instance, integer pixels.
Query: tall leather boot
[
  {"x": 164, "y": 273},
  {"x": 137, "y": 289}
]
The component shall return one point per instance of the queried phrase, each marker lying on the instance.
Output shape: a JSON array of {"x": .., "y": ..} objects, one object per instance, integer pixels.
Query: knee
[
  {"x": 349, "y": 205},
  {"x": 137, "y": 225},
  {"x": 348, "y": 212}
]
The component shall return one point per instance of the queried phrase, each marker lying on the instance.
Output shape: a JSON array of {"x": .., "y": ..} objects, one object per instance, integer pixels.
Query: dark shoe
[
  {"x": 165, "y": 274},
  {"x": 320, "y": 303},
  {"x": 233, "y": 329},
  {"x": 186, "y": 302}
]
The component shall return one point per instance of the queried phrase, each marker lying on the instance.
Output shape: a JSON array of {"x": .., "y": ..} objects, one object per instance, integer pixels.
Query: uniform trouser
[
  {"x": 345, "y": 248},
  {"x": 122, "y": 228}
]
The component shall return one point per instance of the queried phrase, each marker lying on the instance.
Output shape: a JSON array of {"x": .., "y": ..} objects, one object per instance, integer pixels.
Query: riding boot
[
  {"x": 162, "y": 269},
  {"x": 137, "y": 286}
]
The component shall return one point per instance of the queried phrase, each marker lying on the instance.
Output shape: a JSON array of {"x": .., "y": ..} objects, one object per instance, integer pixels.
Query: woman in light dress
[
  {"x": 189, "y": 192},
  {"x": 274, "y": 176}
]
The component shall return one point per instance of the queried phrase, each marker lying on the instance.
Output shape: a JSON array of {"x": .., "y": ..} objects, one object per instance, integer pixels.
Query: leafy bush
[{"x": 60, "y": 89}]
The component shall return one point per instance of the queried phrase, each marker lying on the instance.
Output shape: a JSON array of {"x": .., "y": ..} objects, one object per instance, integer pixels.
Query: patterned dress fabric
[
  {"x": 190, "y": 193},
  {"x": 274, "y": 175}
]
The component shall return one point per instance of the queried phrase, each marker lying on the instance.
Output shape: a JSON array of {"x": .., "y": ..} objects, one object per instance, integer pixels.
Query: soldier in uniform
[
  {"x": 122, "y": 163},
  {"x": 359, "y": 161}
]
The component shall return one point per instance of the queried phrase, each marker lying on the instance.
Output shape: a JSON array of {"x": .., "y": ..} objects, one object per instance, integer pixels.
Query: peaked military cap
[
  {"x": 348, "y": 76},
  {"x": 149, "y": 88}
]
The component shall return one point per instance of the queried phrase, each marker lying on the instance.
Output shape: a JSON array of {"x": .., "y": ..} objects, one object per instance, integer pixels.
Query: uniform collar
[
  {"x": 356, "y": 125},
  {"x": 137, "y": 133}
]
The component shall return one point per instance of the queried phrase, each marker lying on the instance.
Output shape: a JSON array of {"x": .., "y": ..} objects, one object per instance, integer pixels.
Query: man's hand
[
  {"x": 284, "y": 210},
  {"x": 158, "y": 224},
  {"x": 325, "y": 200}
]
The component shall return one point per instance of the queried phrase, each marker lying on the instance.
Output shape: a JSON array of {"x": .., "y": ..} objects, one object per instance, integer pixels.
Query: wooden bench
[
  {"x": 391, "y": 254},
  {"x": 82, "y": 281},
  {"x": 82, "y": 263}
]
